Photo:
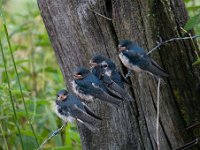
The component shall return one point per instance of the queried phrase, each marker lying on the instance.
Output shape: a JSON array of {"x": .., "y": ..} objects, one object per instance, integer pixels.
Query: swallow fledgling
[
  {"x": 69, "y": 108},
  {"x": 135, "y": 58},
  {"x": 88, "y": 87},
  {"x": 106, "y": 70}
]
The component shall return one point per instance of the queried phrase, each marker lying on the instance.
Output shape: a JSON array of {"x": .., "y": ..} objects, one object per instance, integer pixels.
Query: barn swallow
[
  {"x": 135, "y": 58},
  {"x": 88, "y": 87},
  {"x": 106, "y": 70},
  {"x": 69, "y": 108}
]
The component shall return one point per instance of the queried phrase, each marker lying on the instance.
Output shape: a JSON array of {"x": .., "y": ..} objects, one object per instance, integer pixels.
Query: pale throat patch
[
  {"x": 63, "y": 117},
  {"x": 83, "y": 96},
  {"x": 107, "y": 71},
  {"x": 126, "y": 62}
]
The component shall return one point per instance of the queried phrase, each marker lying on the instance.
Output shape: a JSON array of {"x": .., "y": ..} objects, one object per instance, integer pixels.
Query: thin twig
[
  {"x": 193, "y": 125},
  {"x": 171, "y": 40},
  {"x": 100, "y": 14},
  {"x": 157, "y": 115},
  {"x": 189, "y": 144},
  {"x": 51, "y": 136}
]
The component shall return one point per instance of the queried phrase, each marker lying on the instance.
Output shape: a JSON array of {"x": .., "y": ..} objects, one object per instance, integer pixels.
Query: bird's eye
[{"x": 105, "y": 66}]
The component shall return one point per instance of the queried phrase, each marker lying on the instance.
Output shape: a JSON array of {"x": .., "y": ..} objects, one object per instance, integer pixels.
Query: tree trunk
[{"x": 76, "y": 31}]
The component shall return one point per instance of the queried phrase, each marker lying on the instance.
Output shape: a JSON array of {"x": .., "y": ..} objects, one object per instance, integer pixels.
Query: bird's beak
[
  {"x": 92, "y": 64},
  {"x": 121, "y": 48},
  {"x": 62, "y": 97},
  {"x": 76, "y": 76}
]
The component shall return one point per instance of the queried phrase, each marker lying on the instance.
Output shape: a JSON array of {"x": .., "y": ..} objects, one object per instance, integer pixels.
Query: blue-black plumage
[
  {"x": 87, "y": 86},
  {"x": 70, "y": 108},
  {"x": 106, "y": 70},
  {"x": 135, "y": 58}
]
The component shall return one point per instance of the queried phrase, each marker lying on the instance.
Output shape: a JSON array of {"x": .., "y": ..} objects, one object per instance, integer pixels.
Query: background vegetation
[{"x": 39, "y": 78}]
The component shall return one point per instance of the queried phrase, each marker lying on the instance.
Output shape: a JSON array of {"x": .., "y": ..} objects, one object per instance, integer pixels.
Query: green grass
[{"x": 33, "y": 78}]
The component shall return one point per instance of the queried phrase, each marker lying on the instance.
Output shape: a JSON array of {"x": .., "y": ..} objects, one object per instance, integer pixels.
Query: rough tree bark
[{"x": 76, "y": 32}]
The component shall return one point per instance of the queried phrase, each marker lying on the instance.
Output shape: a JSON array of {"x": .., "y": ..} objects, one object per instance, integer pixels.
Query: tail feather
[
  {"x": 124, "y": 94},
  {"x": 156, "y": 70},
  {"x": 90, "y": 126},
  {"x": 107, "y": 98}
]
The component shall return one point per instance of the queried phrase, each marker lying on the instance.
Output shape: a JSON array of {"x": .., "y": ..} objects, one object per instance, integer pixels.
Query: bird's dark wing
[
  {"x": 156, "y": 71},
  {"x": 137, "y": 59},
  {"x": 156, "y": 65},
  {"x": 124, "y": 94},
  {"x": 92, "y": 128},
  {"x": 84, "y": 117},
  {"x": 108, "y": 98},
  {"x": 100, "y": 92},
  {"x": 90, "y": 112},
  {"x": 89, "y": 88},
  {"x": 145, "y": 63},
  {"x": 117, "y": 78}
]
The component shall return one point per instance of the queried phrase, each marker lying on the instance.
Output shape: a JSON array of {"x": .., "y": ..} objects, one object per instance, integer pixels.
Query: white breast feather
[
  {"x": 108, "y": 73},
  {"x": 126, "y": 62},
  {"x": 81, "y": 95},
  {"x": 63, "y": 117}
]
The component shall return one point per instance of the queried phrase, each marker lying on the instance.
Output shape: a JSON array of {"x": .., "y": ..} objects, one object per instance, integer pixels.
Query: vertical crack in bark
[
  {"x": 101, "y": 32},
  {"x": 59, "y": 58},
  {"x": 143, "y": 23}
]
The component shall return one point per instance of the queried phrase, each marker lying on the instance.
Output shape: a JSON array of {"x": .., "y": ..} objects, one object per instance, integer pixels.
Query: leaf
[
  {"x": 193, "y": 8},
  {"x": 197, "y": 62},
  {"x": 192, "y": 22},
  {"x": 68, "y": 140},
  {"x": 18, "y": 62},
  {"x": 63, "y": 148},
  {"x": 186, "y": 1}
]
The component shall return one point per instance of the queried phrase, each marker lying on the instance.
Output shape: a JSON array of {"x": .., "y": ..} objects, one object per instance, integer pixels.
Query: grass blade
[
  {"x": 4, "y": 138},
  {"x": 19, "y": 83},
  {"x": 10, "y": 94}
]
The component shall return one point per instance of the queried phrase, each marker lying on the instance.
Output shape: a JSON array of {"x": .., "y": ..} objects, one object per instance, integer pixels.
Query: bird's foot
[
  {"x": 128, "y": 74},
  {"x": 160, "y": 40}
]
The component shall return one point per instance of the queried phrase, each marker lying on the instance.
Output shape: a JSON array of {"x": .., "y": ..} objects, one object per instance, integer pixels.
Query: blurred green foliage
[
  {"x": 193, "y": 7},
  {"x": 40, "y": 78}
]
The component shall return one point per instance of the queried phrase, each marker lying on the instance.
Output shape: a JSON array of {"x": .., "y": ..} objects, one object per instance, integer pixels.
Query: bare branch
[
  {"x": 171, "y": 40},
  {"x": 100, "y": 14},
  {"x": 190, "y": 144},
  {"x": 193, "y": 126}
]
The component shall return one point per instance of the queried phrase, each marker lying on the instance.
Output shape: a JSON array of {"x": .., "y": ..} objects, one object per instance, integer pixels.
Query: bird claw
[
  {"x": 160, "y": 40},
  {"x": 128, "y": 74}
]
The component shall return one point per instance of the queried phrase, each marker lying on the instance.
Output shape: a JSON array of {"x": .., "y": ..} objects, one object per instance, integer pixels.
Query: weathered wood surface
[{"x": 76, "y": 32}]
